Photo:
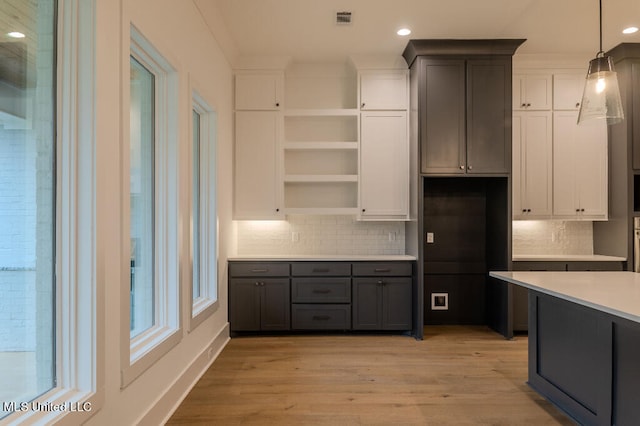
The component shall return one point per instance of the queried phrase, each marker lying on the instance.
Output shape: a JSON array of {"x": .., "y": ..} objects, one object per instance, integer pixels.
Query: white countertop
[
  {"x": 616, "y": 293},
  {"x": 566, "y": 258},
  {"x": 322, "y": 257}
]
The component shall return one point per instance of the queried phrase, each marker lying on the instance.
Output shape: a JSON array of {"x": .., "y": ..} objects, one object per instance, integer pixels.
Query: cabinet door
[
  {"x": 532, "y": 164},
  {"x": 442, "y": 116},
  {"x": 567, "y": 91},
  {"x": 384, "y": 165},
  {"x": 591, "y": 169},
  {"x": 244, "y": 305},
  {"x": 275, "y": 309},
  {"x": 384, "y": 90},
  {"x": 489, "y": 116},
  {"x": 397, "y": 303},
  {"x": 257, "y": 191},
  {"x": 580, "y": 168},
  {"x": 366, "y": 307},
  {"x": 532, "y": 91},
  {"x": 259, "y": 91}
]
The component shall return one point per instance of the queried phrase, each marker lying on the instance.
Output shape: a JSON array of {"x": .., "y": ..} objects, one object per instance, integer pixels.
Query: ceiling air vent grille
[{"x": 343, "y": 18}]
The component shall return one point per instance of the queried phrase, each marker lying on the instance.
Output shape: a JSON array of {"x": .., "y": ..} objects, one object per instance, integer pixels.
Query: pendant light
[{"x": 601, "y": 96}]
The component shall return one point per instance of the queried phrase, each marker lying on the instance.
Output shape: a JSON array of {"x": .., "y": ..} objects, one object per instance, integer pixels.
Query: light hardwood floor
[{"x": 456, "y": 375}]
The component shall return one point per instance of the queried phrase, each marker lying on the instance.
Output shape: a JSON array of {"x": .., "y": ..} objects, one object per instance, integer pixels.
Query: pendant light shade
[{"x": 601, "y": 96}]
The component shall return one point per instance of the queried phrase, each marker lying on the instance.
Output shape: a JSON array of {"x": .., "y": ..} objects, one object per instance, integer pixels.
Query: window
[
  {"x": 152, "y": 296},
  {"x": 204, "y": 239},
  {"x": 141, "y": 165},
  {"x": 47, "y": 212},
  {"x": 27, "y": 202}
]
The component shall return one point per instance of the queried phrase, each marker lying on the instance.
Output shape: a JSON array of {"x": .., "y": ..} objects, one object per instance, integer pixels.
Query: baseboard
[{"x": 168, "y": 403}]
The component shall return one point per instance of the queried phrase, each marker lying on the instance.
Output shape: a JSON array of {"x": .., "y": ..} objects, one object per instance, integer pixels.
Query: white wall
[{"x": 176, "y": 29}]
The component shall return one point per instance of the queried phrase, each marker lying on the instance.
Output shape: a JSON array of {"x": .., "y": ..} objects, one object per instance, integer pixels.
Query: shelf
[
  {"x": 318, "y": 145},
  {"x": 323, "y": 112},
  {"x": 323, "y": 210},
  {"x": 320, "y": 178}
]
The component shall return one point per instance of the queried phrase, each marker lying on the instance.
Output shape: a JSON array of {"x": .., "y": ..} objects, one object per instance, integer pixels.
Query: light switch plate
[{"x": 429, "y": 237}]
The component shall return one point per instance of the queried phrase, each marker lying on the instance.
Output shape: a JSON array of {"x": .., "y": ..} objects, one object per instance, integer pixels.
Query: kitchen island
[{"x": 584, "y": 342}]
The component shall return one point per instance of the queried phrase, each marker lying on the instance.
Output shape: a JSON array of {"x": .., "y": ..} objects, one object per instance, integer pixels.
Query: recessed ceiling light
[
  {"x": 630, "y": 30},
  {"x": 404, "y": 32},
  {"x": 15, "y": 34}
]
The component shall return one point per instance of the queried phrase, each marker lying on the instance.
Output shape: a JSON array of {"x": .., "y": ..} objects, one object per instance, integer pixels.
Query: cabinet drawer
[
  {"x": 398, "y": 269},
  {"x": 320, "y": 317},
  {"x": 258, "y": 269},
  {"x": 321, "y": 290},
  {"x": 325, "y": 269}
]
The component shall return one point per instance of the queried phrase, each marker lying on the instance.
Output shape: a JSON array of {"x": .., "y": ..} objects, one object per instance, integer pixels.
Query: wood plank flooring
[{"x": 457, "y": 375}]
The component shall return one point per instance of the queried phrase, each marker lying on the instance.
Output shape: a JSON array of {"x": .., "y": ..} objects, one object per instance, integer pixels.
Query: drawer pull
[
  {"x": 255, "y": 271},
  {"x": 320, "y": 270},
  {"x": 382, "y": 270},
  {"x": 321, "y": 291},
  {"x": 321, "y": 317}
]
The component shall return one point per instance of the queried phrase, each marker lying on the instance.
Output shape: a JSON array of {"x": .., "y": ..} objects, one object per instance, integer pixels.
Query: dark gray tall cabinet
[
  {"x": 461, "y": 113},
  {"x": 615, "y": 236}
]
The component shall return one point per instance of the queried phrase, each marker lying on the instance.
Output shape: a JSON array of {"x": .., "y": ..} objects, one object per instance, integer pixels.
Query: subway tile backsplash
[
  {"x": 302, "y": 234},
  {"x": 532, "y": 237}
]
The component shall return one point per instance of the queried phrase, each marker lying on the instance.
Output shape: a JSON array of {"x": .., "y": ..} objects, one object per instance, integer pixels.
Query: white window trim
[
  {"x": 145, "y": 349},
  {"x": 79, "y": 319},
  {"x": 205, "y": 305}
]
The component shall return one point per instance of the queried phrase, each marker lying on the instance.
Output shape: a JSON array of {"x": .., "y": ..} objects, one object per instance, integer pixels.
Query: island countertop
[{"x": 616, "y": 293}]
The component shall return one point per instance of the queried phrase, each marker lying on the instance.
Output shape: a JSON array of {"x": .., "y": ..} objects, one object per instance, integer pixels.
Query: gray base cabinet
[
  {"x": 382, "y": 296},
  {"x": 328, "y": 295},
  {"x": 258, "y": 301}
]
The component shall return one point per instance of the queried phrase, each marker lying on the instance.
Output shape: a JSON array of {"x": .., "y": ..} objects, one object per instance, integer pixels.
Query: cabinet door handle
[
  {"x": 321, "y": 291},
  {"x": 582, "y": 210},
  {"x": 255, "y": 271},
  {"x": 362, "y": 106},
  {"x": 461, "y": 167},
  {"x": 523, "y": 105},
  {"x": 524, "y": 210},
  {"x": 321, "y": 317},
  {"x": 577, "y": 104},
  {"x": 277, "y": 104},
  {"x": 382, "y": 270},
  {"x": 470, "y": 167},
  {"x": 528, "y": 105},
  {"x": 380, "y": 282}
]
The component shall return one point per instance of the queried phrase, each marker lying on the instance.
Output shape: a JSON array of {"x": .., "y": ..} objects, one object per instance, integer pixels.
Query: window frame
[
  {"x": 142, "y": 351},
  {"x": 204, "y": 306},
  {"x": 79, "y": 318}
]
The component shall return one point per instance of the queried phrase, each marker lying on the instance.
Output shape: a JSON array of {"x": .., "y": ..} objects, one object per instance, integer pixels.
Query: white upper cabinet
[
  {"x": 384, "y": 166},
  {"x": 580, "y": 168},
  {"x": 384, "y": 90},
  {"x": 567, "y": 91},
  {"x": 532, "y": 165},
  {"x": 257, "y": 186},
  {"x": 259, "y": 91},
  {"x": 532, "y": 91}
]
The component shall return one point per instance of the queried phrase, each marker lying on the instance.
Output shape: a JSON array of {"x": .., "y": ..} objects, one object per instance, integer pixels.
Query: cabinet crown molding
[{"x": 453, "y": 47}]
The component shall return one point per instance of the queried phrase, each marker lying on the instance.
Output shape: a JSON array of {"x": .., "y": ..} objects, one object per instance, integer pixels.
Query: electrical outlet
[
  {"x": 392, "y": 236},
  {"x": 430, "y": 238},
  {"x": 295, "y": 237}
]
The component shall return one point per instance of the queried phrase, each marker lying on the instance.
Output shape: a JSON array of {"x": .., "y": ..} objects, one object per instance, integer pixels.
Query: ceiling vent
[{"x": 343, "y": 18}]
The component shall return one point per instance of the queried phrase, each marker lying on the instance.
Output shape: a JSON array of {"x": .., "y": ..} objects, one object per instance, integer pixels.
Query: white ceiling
[{"x": 305, "y": 30}]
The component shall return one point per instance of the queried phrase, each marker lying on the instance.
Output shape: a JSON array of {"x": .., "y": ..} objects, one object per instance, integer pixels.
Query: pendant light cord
[{"x": 601, "y": 52}]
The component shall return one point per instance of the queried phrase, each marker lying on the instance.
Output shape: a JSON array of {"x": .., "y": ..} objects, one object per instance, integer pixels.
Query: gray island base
[{"x": 584, "y": 342}]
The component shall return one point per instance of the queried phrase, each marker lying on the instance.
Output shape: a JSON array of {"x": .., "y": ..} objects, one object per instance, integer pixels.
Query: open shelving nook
[{"x": 321, "y": 139}]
